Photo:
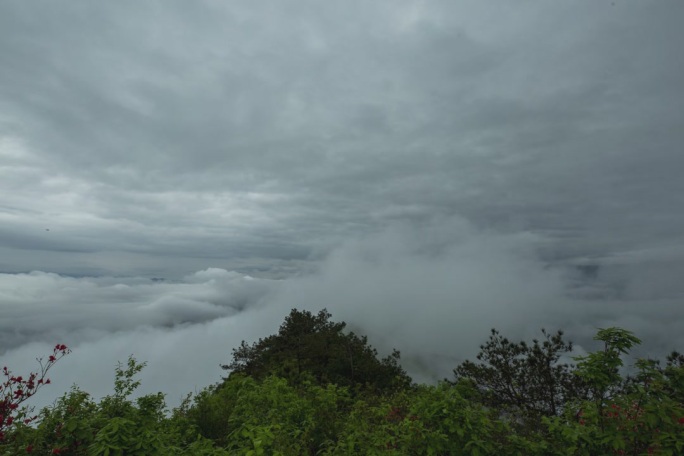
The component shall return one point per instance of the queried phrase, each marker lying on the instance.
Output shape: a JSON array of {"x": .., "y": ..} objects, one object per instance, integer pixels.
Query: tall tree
[
  {"x": 310, "y": 346},
  {"x": 523, "y": 380}
]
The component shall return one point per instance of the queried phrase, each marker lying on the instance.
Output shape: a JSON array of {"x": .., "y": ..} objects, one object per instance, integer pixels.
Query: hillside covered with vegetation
[{"x": 315, "y": 389}]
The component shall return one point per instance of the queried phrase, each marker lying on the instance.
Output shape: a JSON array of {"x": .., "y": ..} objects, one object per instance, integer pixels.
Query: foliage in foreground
[{"x": 587, "y": 408}]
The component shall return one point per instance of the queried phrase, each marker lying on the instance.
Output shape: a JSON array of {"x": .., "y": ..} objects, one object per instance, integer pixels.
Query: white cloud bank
[{"x": 431, "y": 291}]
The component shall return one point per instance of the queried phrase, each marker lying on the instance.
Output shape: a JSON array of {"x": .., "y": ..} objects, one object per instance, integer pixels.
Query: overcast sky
[{"x": 424, "y": 169}]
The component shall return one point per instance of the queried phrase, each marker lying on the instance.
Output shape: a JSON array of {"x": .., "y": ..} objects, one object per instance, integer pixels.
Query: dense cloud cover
[{"x": 426, "y": 170}]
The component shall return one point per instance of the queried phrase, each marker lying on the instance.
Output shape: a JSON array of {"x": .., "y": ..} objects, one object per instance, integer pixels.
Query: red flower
[
  {"x": 52, "y": 358},
  {"x": 681, "y": 420},
  {"x": 29, "y": 448}
]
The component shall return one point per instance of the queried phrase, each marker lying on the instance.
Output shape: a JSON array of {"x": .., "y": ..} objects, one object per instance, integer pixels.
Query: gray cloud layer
[
  {"x": 362, "y": 150},
  {"x": 269, "y": 132}
]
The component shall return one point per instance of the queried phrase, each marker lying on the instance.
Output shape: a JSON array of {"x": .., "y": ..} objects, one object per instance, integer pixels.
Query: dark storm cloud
[
  {"x": 178, "y": 128},
  {"x": 302, "y": 123}
]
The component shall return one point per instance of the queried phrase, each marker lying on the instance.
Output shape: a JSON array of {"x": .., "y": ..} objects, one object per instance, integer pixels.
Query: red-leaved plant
[{"x": 16, "y": 389}]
